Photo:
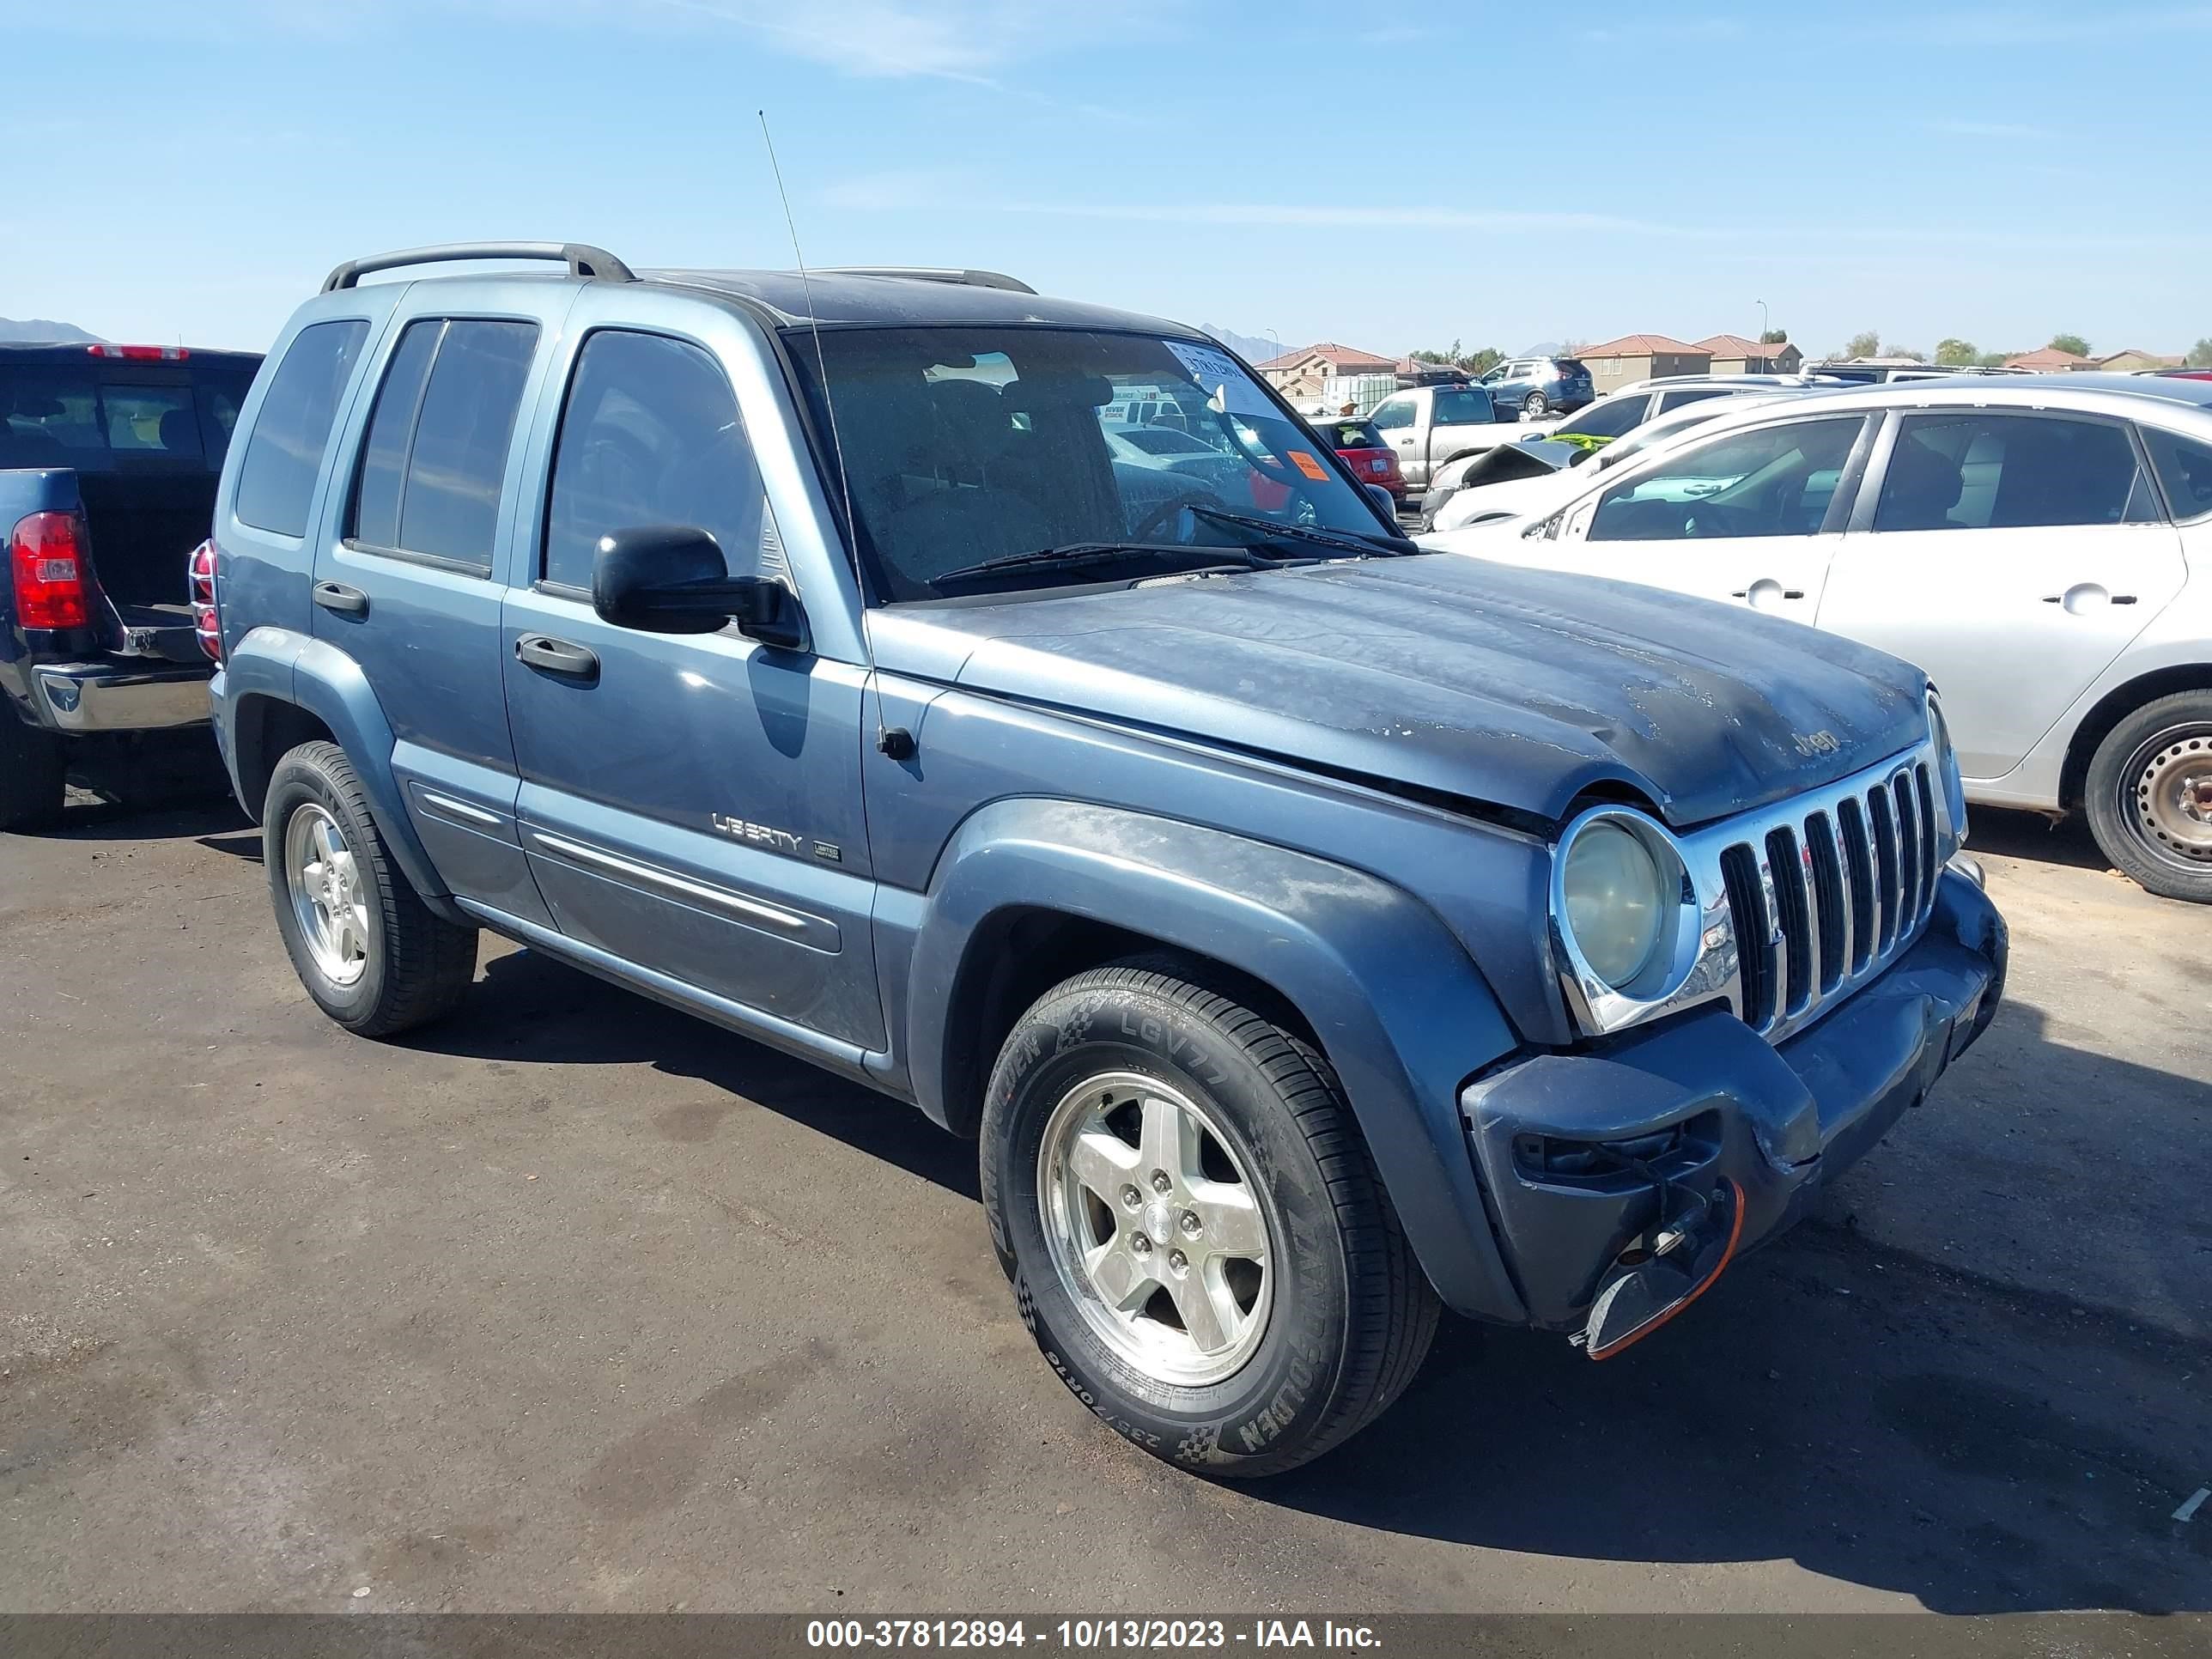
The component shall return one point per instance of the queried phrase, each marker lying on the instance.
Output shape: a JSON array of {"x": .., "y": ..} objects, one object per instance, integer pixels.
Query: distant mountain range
[
  {"x": 39, "y": 331},
  {"x": 1252, "y": 348}
]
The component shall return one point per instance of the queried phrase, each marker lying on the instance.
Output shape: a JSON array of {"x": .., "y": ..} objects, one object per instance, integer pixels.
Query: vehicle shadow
[
  {"x": 527, "y": 1003},
  {"x": 2031, "y": 835},
  {"x": 1880, "y": 1417}
]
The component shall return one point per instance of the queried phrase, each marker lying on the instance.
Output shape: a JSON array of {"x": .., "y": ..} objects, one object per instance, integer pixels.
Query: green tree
[
  {"x": 1868, "y": 344},
  {"x": 2200, "y": 355},
  {"x": 1993, "y": 359},
  {"x": 1891, "y": 349},
  {"x": 1774, "y": 337},
  {"x": 1957, "y": 353},
  {"x": 2073, "y": 343},
  {"x": 1482, "y": 361}
]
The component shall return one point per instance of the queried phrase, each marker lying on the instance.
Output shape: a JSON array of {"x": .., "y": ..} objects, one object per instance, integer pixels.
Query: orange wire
[{"x": 1735, "y": 1233}]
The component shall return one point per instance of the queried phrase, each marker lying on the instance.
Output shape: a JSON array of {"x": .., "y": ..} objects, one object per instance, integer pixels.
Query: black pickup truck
[{"x": 109, "y": 456}]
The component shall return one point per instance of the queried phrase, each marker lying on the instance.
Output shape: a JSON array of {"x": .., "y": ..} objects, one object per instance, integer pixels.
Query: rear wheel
[
  {"x": 2149, "y": 796},
  {"x": 34, "y": 773},
  {"x": 1534, "y": 408},
  {"x": 1197, "y": 1238},
  {"x": 365, "y": 947}
]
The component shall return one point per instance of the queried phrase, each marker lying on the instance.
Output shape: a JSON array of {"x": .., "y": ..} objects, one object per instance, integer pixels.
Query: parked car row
[{"x": 2037, "y": 543}]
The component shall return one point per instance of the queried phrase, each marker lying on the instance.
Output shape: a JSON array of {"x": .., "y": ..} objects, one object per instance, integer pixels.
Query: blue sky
[{"x": 1389, "y": 175}]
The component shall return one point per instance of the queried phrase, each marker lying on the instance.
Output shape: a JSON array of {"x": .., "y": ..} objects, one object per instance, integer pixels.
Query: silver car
[{"x": 2041, "y": 546}]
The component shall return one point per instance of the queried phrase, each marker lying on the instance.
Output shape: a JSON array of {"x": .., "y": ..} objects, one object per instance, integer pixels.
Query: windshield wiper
[
  {"x": 1076, "y": 556},
  {"x": 1348, "y": 541}
]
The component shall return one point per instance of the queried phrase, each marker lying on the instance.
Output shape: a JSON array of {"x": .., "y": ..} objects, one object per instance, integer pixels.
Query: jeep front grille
[{"x": 1823, "y": 891}]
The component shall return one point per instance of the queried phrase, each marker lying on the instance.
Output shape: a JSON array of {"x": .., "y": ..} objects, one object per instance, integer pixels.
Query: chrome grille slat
[{"x": 1826, "y": 891}]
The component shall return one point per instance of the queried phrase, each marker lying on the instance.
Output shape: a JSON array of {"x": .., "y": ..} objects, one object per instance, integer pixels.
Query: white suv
[{"x": 2042, "y": 547}]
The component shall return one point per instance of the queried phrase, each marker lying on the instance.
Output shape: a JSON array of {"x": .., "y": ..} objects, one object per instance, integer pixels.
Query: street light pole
[{"x": 1763, "y": 328}]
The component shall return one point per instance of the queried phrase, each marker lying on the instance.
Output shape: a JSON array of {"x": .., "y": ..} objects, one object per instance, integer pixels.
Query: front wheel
[
  {"x": 2149, "y": 796},
  {"x": 1197, "y": 1238}
]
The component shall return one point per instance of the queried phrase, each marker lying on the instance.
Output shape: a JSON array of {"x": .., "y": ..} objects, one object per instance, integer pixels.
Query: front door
[
  {"x": 2011, "y": 554},
  {"x": 690, "y": 804},
  {"x": 1749, "y": 517},
  {"x": 407, "y": 587}
]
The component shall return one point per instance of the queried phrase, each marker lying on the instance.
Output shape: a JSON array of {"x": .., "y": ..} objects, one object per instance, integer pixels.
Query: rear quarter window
[{"x": 284, "y": 453}]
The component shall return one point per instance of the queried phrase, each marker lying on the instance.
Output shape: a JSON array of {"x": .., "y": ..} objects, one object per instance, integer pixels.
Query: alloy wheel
[
  {"x": 1156, "y": 1228},
  {"x": 323, "y": 878}
]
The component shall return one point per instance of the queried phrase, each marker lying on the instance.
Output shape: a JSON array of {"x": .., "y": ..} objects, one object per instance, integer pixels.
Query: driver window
[
  {"x": 650, "y": 434},
  {"x": 1776, "y": 481}
]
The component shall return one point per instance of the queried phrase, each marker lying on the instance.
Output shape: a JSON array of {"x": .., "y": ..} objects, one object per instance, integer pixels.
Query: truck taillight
[
  {"x": 206, "y": 620},
  {"x": 50, "y": 558}
]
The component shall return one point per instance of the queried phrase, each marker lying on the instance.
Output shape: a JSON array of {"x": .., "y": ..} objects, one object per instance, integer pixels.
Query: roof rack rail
[
  {"x": 934, "y": 274},
  {"x": 581, "y": 258}
]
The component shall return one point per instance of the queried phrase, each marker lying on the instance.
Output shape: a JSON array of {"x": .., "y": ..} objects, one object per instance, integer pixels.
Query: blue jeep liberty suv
[{"x": 1313, "y": 933}]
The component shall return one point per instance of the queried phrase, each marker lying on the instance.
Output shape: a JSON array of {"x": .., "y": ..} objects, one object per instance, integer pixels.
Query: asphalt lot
[{"x": 573, "y": 1302}]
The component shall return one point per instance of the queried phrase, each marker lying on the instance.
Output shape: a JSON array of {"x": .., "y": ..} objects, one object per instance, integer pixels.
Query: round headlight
[{"x": 1617, "y": 901}]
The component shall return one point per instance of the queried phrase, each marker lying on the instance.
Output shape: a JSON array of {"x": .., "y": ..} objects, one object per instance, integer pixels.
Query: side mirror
[
  {"x": 671, "y": 579},
  {"x": 1385, "y": 503}
]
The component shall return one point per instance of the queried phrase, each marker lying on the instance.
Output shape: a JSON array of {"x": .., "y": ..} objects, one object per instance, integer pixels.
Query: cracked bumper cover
[{"x": 1705, "y": 1097}]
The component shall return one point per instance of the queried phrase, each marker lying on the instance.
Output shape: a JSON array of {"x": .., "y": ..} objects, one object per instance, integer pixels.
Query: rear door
[
  {"x": 1461, "y": 421},
  {"x": 2011, "y": 553},
  {"x": 1750, "y": 516},
  {"x": 1398, "y": 419},
  {"x": 692, "y": 803},
  {"x": 407, "y": 587}
]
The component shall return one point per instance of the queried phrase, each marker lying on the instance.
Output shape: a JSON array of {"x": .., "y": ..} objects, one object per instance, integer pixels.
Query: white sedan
[{"x": 2042, "y": 547}]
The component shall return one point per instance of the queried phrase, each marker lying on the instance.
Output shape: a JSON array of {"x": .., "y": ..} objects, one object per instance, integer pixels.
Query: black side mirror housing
[
  {"x": 1385, "y": 503},
  {"x": 671, "y": 579}
]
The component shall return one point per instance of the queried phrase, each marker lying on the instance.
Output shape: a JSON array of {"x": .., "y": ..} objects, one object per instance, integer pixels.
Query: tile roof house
[
  {"x": 1733, "y": 355},
  {"x": 2125, "y": 362},
  {"x": 1300, "y": 373},
  {"x": 1639, "y": 357},
  {"x": 2049, "y": 360}
]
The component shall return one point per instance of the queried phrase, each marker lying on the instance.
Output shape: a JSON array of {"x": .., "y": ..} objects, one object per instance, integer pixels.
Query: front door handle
[
  {"x": 570, "y": 661},
  {"x": 346, "y": 601},
  {"x": 1767, "y": 587}
]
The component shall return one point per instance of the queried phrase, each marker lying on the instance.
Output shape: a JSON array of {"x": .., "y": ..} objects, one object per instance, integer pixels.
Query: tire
[
  {"x": 34, "y": 773},
  {"x": 1533, "y": 407},
  {"x": 384, "y": 965},
  {"x": 1329, "y": 1326},
  {"x": 2149, "y": 796}
]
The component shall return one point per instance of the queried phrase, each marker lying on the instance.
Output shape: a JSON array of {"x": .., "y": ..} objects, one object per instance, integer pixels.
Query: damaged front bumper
[{"x": 1701, "y": 1134}]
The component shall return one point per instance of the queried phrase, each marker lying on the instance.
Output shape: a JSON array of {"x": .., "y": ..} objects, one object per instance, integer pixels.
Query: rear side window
[
  {"x": 2184, "y": 468},
  {"x": 276, "y": 480},
  {"x": 438, "y": 440},
  {"x": 650, "y": 434},
  {"x": 1981, "y": 470},
  {"x": 1462, "y": 406},
  {"x": 1608, "y": 419},
  {"x": 1687, "y": 395}
]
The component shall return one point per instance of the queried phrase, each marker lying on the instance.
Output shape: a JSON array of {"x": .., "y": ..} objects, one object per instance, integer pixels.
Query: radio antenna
[{"x": 821, "y": 360}]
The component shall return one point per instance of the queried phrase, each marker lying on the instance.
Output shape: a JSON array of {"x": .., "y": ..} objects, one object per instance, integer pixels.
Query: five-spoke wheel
[{"x": 324, "y": 879}]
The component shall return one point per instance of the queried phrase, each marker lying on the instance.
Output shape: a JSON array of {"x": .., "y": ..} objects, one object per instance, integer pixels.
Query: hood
[{"x": 1518, "y": 688}]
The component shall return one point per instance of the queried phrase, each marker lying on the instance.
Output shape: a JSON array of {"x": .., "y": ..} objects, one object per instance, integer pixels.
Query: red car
[{"x": 1371, "y": 460}]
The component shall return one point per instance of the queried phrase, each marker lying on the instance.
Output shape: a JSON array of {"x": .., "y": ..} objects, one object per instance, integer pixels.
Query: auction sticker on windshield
[
  {"x": 1227, "y": 386},
  {"x": 1306, "y": 463}
]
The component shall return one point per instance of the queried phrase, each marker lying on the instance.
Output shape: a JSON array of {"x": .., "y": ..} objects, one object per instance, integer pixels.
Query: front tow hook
[{"x": 1663, "y": 1274}]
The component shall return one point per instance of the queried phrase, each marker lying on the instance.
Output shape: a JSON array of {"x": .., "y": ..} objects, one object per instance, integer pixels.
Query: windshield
[{"x": 963, "y": 445}]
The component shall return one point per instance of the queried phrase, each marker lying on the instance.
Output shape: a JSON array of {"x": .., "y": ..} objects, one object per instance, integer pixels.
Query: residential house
[
  {"x": 1733, "y": 355},
  {"x": 1300, "y": 374},
  {"x": 2130, "y": 361},
  {"x": 2050, "y": 360},
  {"x": 1636, "y": 357}
]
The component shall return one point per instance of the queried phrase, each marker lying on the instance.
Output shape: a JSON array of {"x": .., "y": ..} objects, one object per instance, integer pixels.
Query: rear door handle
[
  {"x": 346, "y": 601},
  {"x": 561, "y": 656}
]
